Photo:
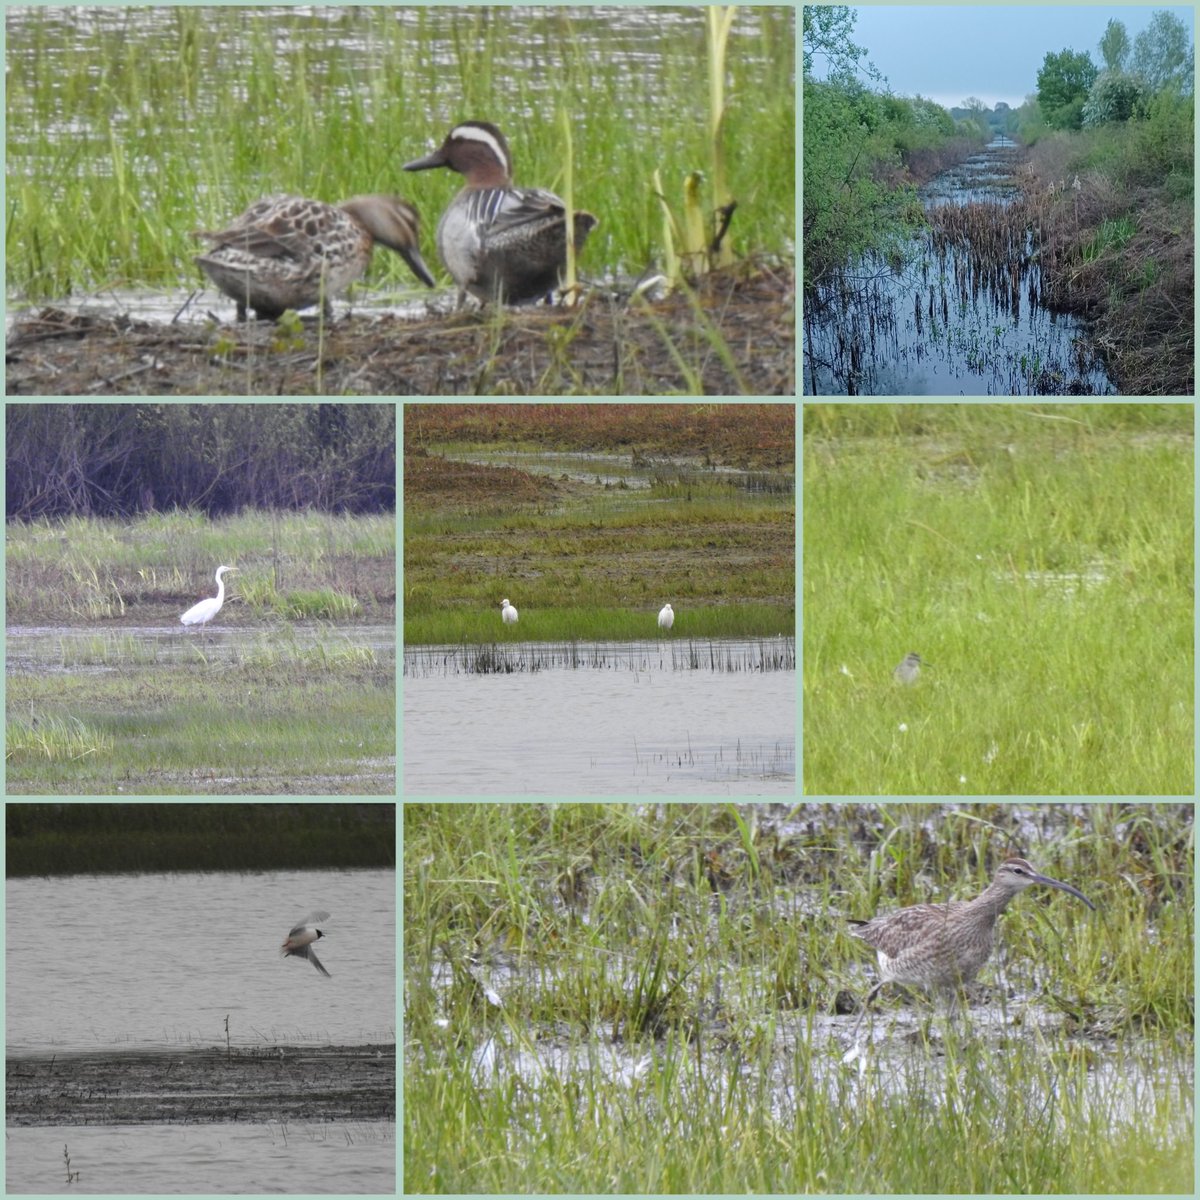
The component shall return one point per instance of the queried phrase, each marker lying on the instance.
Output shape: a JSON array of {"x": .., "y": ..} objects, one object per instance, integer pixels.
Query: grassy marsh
[
  {"x": 1040, "y": 557},
  {"x": 116, "y": 697},
  {"x": 633, "y": 999},
  {"x": 596, "y": 560}
]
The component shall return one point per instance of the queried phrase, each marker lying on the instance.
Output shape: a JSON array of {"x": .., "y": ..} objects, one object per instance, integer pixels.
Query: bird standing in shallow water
[
  {"x": 941, "y": 947},
  {"x": 202, "y": 613}
]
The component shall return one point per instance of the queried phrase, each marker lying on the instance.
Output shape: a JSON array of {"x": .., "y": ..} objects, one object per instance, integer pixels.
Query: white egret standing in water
[
  {"x": 508, "y": 613},
  {"x": 202, "y": 613},
  {"x": 666, "y": 618}
]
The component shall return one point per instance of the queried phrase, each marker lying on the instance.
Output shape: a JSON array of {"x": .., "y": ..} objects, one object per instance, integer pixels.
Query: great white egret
[
  {"x": 508, "y": 613},
  {"x": 202, "y": 613},
  {"x": 666, "y": 618}
]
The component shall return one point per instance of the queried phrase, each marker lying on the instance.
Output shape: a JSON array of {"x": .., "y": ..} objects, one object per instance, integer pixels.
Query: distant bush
[{"x": 1115, "y": 96}]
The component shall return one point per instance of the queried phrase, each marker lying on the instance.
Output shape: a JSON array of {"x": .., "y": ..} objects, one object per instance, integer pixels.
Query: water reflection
[{"x": 966, "y": 313}]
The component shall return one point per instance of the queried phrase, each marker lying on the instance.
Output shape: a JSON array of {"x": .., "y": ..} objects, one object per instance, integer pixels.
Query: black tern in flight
[{"x": 299, "y": 941}]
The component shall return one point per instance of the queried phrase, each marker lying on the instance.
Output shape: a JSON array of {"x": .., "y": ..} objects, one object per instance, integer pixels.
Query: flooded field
[{"x": 966, "y": 313}]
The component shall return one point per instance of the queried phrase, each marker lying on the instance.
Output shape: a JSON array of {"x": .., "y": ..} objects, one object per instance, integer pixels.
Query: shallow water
[
  {"x": 952, "y": 319},
  {"x": 645, "y": 722}
]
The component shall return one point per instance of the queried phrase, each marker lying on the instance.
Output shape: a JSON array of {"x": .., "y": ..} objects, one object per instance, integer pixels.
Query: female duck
[
  {"x": 500, "y": 242},
  {"x": 287, "y": 252}
]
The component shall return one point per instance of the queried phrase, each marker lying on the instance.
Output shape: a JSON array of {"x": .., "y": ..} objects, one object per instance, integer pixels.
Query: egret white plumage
[
  {"x": 666, "y": 618},
  {"x": 202, "y": 613},
  {"x": 508, "y": 613}
]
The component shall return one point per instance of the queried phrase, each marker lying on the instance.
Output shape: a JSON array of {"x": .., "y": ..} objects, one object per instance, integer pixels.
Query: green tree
[
  {"x": 827, "y": 30},
  {"x": 1063, "y": 85},
  {"x": 1162, "y": 54},
  {"x": 1114, "y": 46}
]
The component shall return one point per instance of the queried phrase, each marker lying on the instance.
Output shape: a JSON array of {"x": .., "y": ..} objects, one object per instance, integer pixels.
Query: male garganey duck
[
  {"x": 500, "y": 242},
  {"x": 287, "y": 252}
]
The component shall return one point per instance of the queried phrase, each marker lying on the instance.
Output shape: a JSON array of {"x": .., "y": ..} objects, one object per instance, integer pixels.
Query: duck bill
[
  {"x": 436, "y": 159},
  {"x": 412, "y": 256},
  {"x": 1064, "y": 887}
]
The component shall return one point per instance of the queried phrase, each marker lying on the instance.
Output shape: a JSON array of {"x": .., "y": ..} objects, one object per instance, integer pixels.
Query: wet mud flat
[
  {"x": 735, "y": 334},
  {"x": 291, "y": 1083}
]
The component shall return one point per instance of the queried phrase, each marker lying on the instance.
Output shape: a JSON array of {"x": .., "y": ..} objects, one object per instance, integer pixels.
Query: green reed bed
[
  {"x": 1040, "y": 557},
  {"x": 57, "y": 839},
  {"x": 489, "y": 657},
  {"x": 620, "y": 998},
  {"x": 181, "y": 116}
]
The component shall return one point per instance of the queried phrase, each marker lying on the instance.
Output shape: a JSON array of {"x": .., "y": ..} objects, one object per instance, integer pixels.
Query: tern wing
[
  {"x": 308, "y": 921},
  {"x": 316, "y": 962}
]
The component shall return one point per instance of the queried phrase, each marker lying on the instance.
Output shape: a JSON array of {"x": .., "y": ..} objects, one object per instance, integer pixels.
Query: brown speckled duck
[{"x": 288, "y": 252}]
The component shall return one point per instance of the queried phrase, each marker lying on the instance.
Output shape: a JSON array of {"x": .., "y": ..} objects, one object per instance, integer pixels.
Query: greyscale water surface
[{"x": 939, "y": 324}]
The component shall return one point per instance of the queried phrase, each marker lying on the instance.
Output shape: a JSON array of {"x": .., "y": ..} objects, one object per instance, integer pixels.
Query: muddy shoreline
[
  {"x": 286, "y": 1083},
  {"x": 734, "y": 334}
]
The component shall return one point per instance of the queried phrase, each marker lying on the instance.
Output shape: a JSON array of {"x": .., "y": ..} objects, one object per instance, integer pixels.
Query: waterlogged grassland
[
  {"x": 291, "y": 690},
  {"x": 1041, "y": 558},
  {"x": 181, "y": 116},
  {"x": 601, "y": 962},
  {"x": 594, "y": 560},
  {"x": 225, "y": 717}
]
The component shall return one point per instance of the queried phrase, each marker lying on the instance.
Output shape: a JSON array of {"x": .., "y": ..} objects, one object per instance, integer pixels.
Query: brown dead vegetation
[
  {"x": 734, "y": 333},
  {"x": 1137, "y": 290}
]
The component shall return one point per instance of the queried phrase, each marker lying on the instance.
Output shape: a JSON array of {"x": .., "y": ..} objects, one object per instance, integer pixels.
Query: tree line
[{"x": 116, "y": 460}]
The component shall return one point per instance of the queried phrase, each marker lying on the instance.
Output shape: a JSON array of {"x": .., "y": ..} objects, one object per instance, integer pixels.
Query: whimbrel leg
[{"x": 866, "y": 1004}]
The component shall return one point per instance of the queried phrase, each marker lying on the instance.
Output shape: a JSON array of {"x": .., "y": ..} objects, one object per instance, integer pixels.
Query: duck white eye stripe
[{"x": 473, "y": 133}]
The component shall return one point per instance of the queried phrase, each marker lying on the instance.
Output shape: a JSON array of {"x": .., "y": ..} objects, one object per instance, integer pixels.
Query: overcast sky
[{"x": 947, "y": 53}]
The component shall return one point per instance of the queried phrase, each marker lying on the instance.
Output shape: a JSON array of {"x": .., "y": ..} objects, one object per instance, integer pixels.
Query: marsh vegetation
[{"x": 679, "y": 981}]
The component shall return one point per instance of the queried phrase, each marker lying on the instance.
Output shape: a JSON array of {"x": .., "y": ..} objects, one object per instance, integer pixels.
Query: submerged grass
[
  {"x": 489, "y": 658},
  {"x": 662, "y": 979},
  {"x": 1040, "y": 559}
]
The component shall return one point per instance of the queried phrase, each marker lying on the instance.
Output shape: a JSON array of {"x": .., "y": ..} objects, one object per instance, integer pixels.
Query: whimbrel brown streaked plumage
[{"x": 941, "y": 947}]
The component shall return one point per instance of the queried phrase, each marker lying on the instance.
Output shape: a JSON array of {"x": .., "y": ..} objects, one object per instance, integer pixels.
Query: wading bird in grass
[
  {"x": 508, "y": 613},
  {"x": 299, "y": 941},
  {"x": 666, "y": 617},
  {"x": 202, "y": 613}
]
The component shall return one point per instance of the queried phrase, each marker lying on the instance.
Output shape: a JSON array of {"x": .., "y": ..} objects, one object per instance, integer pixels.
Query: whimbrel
[{"x": 941, "y": 947}]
